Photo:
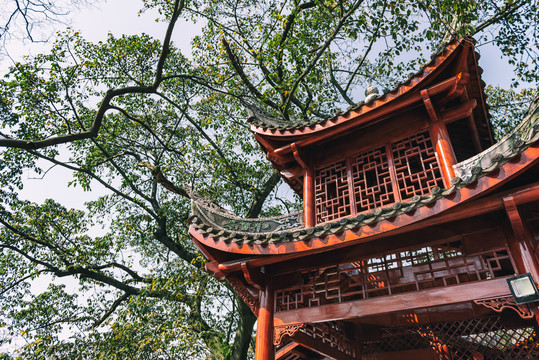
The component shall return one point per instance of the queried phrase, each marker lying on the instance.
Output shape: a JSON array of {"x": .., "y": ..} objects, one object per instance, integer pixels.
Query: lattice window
[
  {"x": 392, "y": 273},
  {"x": 366, "y": 181},
  {"x": 487, "y": 336},
  {"x": 416, "y": 167},
  {"x": 372, "y": 180},
  {"x": 332, "y": 194}
]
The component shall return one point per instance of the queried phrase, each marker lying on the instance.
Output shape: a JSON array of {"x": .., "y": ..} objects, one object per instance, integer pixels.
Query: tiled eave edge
[
  {"x": 268, "y": 125},
  {"x": 504, "y": 160}
]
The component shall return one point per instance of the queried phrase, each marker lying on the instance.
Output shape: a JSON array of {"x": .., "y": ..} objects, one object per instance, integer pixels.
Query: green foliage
[
  {"x": 507, "y": 107},
  {"x": 138, "y": 289}
]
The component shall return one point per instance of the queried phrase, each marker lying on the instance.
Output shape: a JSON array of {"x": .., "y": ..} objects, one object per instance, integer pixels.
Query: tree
[
  {"x": 155, "y": 129},
  {"x": 28, "y": 19}
]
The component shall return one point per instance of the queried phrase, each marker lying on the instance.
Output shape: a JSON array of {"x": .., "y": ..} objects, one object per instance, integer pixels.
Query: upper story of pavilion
[{"x": 395, "y": 159}]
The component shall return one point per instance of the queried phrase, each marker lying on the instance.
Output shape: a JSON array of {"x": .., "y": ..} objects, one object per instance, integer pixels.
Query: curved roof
[
  {"x": 265, "y": 124},
  {"x": 218, "y": 229}
]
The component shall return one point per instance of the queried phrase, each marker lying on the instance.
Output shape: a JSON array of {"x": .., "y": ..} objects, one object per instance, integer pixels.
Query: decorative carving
[
  {"x": 371, "y": 180},
  {"x": 486, "y": 335},
  {"x": 416, "y": 167},
  {"x": 506, "y": 302},
  {"x": 280, "y": 331},
  {"x": 332, "y": 193},
  {"x": 412, "y": 269},
  {"x": 244, "y": 293},
  {"x": 332, "y": 334}
]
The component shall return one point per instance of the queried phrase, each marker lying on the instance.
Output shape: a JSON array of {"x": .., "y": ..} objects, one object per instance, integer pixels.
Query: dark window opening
[{"x": 462, "y": 140}]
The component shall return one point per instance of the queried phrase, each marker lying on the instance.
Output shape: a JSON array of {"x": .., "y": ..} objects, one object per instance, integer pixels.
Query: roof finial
[{"x": 371, "y": 93}]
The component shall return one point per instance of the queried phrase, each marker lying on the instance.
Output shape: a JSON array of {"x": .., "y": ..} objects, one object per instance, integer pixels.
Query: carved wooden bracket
[
  {"x": 506, "y": 302},
  {"x": 253, "y": 276},
  {"x": 280, "y": 331},
  {"x": 212, "y": 267},
  {"x": 299, "y": 156},
  {"x": 244, "y": 293}
]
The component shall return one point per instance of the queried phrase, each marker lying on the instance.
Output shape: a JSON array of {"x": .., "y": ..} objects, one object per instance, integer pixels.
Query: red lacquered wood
[
  {"x": 483, "y": 186},
  {"x": 418, "y": 354},
  {"x": 320, "y": 347},
  {"x": 288, "y": 349},
  {"x": 522, "y": 243},
  {"x": 446, "y": 156},
  {"x": 441, "y": 141},
  {"x": 460, "y": 112},
  {"x": 363, "y": 116},
  {"x": 400, "y": 302},
  {"x": 264, "y": 349},
  {"x": 308, "y": 198}
]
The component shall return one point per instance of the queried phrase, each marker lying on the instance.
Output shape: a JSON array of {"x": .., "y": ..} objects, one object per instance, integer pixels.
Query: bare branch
[
  {"x": 320, "y": 52},
  {"x": 105, "y": 105}
]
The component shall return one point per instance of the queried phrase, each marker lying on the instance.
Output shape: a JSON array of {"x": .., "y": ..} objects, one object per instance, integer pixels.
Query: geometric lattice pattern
[
  {"x": 331, "y": 334},
  {"x": 332, "y": 193},
  {"x": 366, "y": 181},
  {"x": 416, "y": 168},
  {"x": 416, "y": 269},
  {"x": 372, "y": 180},
  {"x": 463, "y": 338}
]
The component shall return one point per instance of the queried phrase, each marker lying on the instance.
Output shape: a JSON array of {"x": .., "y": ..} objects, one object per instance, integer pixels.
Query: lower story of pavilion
[{"x": 439, "y": 292}]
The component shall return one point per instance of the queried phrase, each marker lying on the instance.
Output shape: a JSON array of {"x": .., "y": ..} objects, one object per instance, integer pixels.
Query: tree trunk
[{"x": 244, "y": 333}]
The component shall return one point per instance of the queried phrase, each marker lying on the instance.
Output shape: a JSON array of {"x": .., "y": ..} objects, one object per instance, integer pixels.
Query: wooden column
[
  {"x": 308, "y": 198},
  {"x": 446, "y": 157},
  {"x": 308, "y": 186},
  {"x": 522, "y": 242},
  {"x": 522, "y": 245},
  {"x": 264, "y": 349},
  {"x": 440, "y": 139}
]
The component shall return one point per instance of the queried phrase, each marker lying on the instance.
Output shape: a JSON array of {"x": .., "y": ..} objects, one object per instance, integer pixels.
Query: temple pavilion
[{"x": 413, "y": 222}]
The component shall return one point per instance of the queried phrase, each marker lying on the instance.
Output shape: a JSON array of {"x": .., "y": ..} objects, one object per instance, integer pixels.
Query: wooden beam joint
[{"x": 253, "y": 276}]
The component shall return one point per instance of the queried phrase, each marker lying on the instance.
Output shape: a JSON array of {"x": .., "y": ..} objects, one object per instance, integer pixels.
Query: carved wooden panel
[
  {"x": 332, "y": 334},
  {"x": 416, "y": 167},
  {"x": 376, "y": 178},
  {"x": 486, "y": 336},
  {"x": 286, "y": 330},
  {"x": 332, "y": 194},
  {"x": 415, "y": 269},
  {"x": 498, "y": 304},
  {"x": 371, "y": 180}
]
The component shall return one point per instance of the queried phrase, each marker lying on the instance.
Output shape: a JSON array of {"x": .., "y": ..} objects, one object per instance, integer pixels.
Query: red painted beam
[{"x": 393, "y": 303}]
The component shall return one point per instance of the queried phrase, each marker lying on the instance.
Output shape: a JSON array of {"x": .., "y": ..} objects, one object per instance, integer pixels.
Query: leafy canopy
[{"x": 152, "y": 126}]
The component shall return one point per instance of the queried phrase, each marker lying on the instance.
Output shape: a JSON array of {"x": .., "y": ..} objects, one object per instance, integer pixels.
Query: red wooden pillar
[
  {"x": 446, "y": 157},
  {"x": 308, "y": 198},
  {"x": 308, "y": 186},
  {"x": 521, "y": 244},
  {"x": 264, "y": 349},
  {"x": 440, "y": 139}
]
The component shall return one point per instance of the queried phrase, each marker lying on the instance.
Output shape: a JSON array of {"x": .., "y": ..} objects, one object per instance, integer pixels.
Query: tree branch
[
  {"x": 111, "y": 310},
  {"x": 161, "y": 179},
  {"x": 323, "y": 48},
  {"x": 106, "y": 103}
]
